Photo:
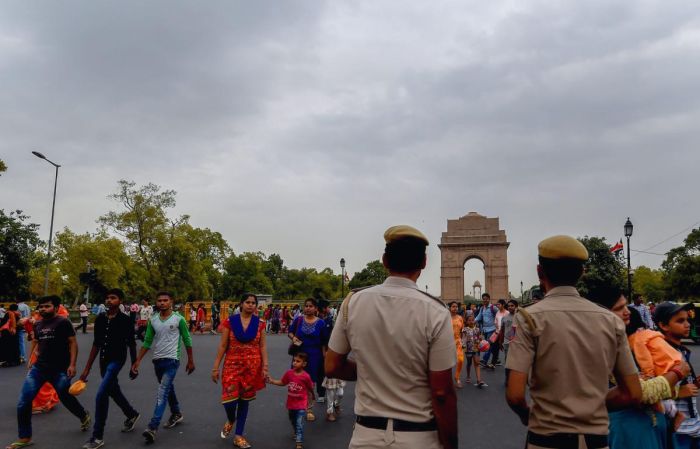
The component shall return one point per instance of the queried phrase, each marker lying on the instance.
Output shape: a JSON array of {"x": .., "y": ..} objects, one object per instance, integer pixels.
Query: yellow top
[
  {"x": 562, "y": 247},
  {"x": 403, "y": 231}
]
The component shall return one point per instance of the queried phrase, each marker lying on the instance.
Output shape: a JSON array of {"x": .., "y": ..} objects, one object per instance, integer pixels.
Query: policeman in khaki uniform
[
  {"x": 568, "y": 347},
  {"x": 402, "y": 355}
]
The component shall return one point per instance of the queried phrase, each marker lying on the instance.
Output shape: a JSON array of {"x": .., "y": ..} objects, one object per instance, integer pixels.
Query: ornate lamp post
[
  {"x": 53, "y": 207},
  {"x": 628, "y": 233},
  {"x": 342, "y": 277}
]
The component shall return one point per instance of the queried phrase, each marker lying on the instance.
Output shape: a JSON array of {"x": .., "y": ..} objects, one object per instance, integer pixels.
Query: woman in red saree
[{"x": 245, "y": 366}]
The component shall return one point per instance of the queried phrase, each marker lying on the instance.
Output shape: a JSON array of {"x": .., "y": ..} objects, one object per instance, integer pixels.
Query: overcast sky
[{"x": 307, "y": 128}]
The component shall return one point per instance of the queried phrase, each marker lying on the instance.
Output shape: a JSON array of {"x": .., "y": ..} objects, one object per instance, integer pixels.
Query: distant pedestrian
[
  {"x": 145, "y": 314},
  {"x": 215, "y": 317},
  {"x": 486, "y": 319},
  {"x": 299, "y": 388},
  {"x": 84, "y": 313},
  {"x": 57, "y": 351},
  {"x": 24, "y": 314},
  {"x": 163, "y": 334},
  {"x": 193, "y": 318},
  {"x": 457, "y": 327},
  {"x": 508, "y": 332},
  {"x": 644, "y": 311},
  {"x": 201, "y": 318}
]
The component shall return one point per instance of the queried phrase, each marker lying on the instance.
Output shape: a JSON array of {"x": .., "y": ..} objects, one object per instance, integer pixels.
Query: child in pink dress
[{"x": 299, "y": 387}]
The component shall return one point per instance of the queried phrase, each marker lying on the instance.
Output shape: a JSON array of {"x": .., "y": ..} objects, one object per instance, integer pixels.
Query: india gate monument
[{"x": 473, "y": 236}]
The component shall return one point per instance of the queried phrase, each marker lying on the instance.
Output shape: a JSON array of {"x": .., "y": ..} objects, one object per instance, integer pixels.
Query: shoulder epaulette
[{"x": 433, "y": 297}]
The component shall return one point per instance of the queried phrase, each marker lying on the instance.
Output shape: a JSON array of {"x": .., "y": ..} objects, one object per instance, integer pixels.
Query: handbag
[{"x": 293, "y": 348}]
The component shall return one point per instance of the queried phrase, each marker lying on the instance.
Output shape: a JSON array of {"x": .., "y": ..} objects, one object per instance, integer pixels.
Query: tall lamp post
[
  {"x": 342, "y": 277},
  {"x": 628, "y": 233},
  {"x": 53, "y": 207}
]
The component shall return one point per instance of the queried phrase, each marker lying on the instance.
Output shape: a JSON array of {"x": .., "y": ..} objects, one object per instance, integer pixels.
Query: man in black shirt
[
  {"x": 57, "y": 351},
  {"x": 114, "y": 333}
]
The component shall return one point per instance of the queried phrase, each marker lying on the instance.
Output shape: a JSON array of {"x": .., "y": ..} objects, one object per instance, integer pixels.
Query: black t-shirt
[
  {"x": 113, "y": 337},
  {"x": 52, "y": 336}
]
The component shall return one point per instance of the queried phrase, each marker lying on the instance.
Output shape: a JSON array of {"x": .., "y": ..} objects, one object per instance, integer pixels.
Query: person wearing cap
[
  {"x": 566, "y": 347},
  {"x": 114, "y": 334},
  {"x": 57, "y": 351},
  {"x": 672, "y": 320},
  {"x": 403, "y": 354}
]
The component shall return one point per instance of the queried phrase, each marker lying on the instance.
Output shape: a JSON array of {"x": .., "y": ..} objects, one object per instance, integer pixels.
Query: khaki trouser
[
  {"x": 366, "y": 438},
  {"x": 581, "y": 444}
]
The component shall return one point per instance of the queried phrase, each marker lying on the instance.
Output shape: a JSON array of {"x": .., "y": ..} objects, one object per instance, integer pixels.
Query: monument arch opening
[
  {"x": 473, "y": 236},
  {"x": 474, "y": 277}
]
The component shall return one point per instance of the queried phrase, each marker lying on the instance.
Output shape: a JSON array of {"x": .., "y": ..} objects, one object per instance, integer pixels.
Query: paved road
[{"x": 485, "y": 420}]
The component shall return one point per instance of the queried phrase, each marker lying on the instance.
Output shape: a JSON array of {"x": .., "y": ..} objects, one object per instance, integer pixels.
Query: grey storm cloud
[{"x": 307, "y": 128}]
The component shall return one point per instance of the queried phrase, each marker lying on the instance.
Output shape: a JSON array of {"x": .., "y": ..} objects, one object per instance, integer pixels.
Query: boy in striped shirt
[{"x": 163, "y": 334}]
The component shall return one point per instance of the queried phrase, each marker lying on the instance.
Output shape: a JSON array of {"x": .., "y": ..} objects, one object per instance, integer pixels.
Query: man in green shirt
[{"x": 163, "y": 335}]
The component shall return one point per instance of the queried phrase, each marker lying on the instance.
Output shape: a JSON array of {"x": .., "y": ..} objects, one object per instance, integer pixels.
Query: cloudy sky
[{"x": 306, "y": 128}]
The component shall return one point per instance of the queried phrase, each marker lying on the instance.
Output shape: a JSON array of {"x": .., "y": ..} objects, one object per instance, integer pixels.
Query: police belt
[
  {"x": 567, "y": 440},
  {"x": 375, "y": 422}
]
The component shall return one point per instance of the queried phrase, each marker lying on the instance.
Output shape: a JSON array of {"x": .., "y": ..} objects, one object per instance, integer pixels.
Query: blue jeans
[
  {"x": 22, "y": 336},
  {"x": 109, "y": 388},
  {"x": 684, "y": 442},
  {"x": 297, "y": 418},
  {"x": 32, "y": 384},
  {"x": 166, "y": 369}
]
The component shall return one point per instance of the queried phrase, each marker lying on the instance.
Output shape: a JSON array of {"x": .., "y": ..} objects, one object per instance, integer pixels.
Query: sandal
[
  {"x": 19, "y": 444},
  {"x": 310, "y": 416},
  {"x": 458, "y": 384},
  {"x": 468, "y": 380},
  {"x": 299, "y": 446},
  {"x": 226, "y": 431},
  {"x": 241, "y": 443}
]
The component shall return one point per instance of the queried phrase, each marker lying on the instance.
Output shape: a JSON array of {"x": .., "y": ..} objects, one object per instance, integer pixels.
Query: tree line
[{"x": 141, "y": 248}]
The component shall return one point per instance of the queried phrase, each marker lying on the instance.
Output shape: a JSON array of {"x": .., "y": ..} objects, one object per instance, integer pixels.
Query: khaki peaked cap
[
  {"x": 562, "y": 247},
  {"x": 403, "y": 231}
]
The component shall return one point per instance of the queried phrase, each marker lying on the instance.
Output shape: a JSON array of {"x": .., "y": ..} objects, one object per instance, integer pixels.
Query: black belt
[
  {"x": 375, "y": 422},
  {"x": 567, "y": 440}
]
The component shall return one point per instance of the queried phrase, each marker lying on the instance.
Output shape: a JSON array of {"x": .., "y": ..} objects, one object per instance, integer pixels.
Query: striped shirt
[{"x": 163, "y": 336}]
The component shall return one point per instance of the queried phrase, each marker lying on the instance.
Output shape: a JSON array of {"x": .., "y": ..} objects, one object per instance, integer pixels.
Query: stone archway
[{"x": 473, "y": 236}]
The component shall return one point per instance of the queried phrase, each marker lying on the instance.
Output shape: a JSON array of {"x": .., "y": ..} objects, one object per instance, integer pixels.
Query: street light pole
[
  {"x": 53, "y": 208},
  {"x": 342, "y": 274},
  {"x": 628, "y": 233}
]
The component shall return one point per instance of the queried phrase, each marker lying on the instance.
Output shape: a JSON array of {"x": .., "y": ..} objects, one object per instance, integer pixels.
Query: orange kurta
[
  {"x": 457, "y": 326},
  {"x": 242, "y": 376}
]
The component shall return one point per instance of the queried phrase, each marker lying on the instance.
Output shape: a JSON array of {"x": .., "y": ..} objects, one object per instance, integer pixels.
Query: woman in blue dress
[{"x": 308, "y": 334}]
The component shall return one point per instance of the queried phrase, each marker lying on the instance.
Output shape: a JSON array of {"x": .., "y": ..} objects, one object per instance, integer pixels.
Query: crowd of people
[{"x": 580, "y": 372}]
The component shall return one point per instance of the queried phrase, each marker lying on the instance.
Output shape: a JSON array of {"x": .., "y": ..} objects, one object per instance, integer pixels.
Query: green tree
[
  {"x": 372, "y": 274},
  {"x": 167, "y": 253},
  {"x": 649, "y": 283},
  {"x": 245, "y": 273},
  {"x": 19, "y": 241},
  {"x": 682, "y": 266},
  {"x": 602, "y": 268},
  {"x": 3, "y": 167}
]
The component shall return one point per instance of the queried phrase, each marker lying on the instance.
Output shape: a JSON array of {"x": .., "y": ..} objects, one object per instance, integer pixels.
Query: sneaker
[
  {"x": 490, "y": 366},
  {"x": 321, "y": 399},
  {"x": 481, "y": 384},
  {"x": 482, "y": 363},
  {"x": 174, "y": 420},
  {"x": 130, "y": 423},
  {"x": 93, "y": 443},
  {"x": 498, "y": 363},
  {"x": 85, "y": 422},
  {"x": 149, "y": 435}
]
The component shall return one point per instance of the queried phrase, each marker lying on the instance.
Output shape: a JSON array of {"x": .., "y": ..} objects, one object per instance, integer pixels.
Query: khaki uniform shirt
[
  {"x": 572, "y": 352},
  {"x": 396, "y": 334}
]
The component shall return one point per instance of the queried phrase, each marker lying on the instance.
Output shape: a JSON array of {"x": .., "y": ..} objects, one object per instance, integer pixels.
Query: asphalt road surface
[{"x": 484, "y": 418}]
